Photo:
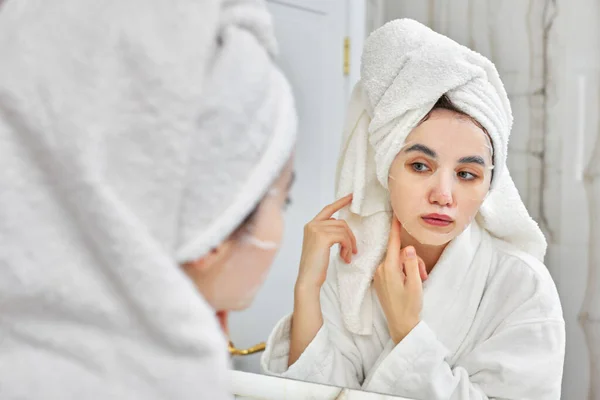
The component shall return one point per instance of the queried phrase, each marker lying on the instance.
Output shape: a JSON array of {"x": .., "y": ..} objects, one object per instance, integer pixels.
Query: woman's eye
[
  {"x": 467, "y": 176},
  {"x": 419, "y": 167},
  {"x": 288, "y": 202}
]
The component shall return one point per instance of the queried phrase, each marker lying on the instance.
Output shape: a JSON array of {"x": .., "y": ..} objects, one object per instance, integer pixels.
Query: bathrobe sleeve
[
  {"x": 332, "y": 357},
  {"x": 522, "y": 359}
]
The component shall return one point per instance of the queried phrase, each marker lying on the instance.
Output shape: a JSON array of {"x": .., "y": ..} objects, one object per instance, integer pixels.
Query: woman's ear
[{"x": 210, "y": 262}]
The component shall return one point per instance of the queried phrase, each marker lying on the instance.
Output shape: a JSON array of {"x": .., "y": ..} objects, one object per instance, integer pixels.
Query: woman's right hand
[{"x": 320, "y": 234}]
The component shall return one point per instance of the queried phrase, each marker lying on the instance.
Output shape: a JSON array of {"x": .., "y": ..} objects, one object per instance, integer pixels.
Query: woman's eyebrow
[
  {"x": 421, "y": 148},
  {"x": 431, "y": 153},
  {"x": 472, "y": 160}
]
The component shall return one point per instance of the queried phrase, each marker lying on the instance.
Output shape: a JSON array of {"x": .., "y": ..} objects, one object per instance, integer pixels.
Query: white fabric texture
[
  {"x": 134, "y": 135},
  {"x": 406, "y": 67},
  {"x": 491, "y": 328}
]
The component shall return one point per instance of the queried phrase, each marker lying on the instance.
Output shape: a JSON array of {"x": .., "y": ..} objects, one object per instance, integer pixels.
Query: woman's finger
[
  {"x": 340, "y": 238},
  {"x": 411, "y": 266},
  {"x": 343, "y": 224},
  {"x": 394, "y": 244},
  {"x": 327, "y": 212},
  {"x": 338, "y": 229},
  {"x": 344, "y": 253},
  {"x": 331, "y": 229},
  {"x": 422, "y": 269}
]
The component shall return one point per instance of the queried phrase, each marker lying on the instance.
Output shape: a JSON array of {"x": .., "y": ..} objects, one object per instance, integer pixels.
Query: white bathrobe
[{"x": 491, "y": 328}]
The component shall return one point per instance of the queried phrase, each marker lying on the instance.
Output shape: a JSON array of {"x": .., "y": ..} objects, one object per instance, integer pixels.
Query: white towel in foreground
[
  {"x": 133, "y": 135},
  {"x": 406, "y": 68}
]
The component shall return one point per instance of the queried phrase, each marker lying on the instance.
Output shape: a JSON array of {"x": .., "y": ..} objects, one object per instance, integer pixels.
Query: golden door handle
[{"x": 234, "y": 351}]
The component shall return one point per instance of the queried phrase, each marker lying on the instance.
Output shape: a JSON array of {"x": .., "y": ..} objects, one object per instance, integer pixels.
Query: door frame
[{"x": 356, "y": 30}]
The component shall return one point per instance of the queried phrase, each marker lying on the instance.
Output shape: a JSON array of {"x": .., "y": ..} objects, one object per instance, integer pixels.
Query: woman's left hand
[{"x": 398, "y": 282}]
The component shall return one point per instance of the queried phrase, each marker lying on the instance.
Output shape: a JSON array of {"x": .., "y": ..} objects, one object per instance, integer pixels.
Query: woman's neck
[{"x": 429, "y": 254}]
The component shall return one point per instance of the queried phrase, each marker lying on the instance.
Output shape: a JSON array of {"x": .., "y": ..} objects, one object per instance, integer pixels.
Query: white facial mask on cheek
[
  {"x": 243, "y": 273},
  {"x": 246, "y": 270},
  {"x": 248, "y": 238},
  {"x": 443, "y": 179},
  {"x": 246, "y": 300},
  {"x": 258, "y": 243},
  {"x": 434, "y": 236}
]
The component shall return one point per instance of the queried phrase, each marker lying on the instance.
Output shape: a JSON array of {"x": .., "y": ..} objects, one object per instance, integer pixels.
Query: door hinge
[{"x": 346, "y": 56}]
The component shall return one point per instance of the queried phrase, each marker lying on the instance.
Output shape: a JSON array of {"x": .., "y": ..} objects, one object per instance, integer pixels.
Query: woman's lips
[{"x": 437, "y": 219}]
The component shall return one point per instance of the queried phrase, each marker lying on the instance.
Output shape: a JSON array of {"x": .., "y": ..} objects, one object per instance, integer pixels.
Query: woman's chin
[
  {"x": 436, "y": 239},
  {"x": 241, "y": 304},
  {"x": 435, "y": 242}
]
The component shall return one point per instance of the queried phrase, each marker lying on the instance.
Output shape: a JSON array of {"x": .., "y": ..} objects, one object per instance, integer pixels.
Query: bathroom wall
[{"x": 548, "y": 55}]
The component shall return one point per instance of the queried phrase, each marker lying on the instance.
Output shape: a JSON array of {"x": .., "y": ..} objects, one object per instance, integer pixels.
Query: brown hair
[{"x": 445, "y": 103}]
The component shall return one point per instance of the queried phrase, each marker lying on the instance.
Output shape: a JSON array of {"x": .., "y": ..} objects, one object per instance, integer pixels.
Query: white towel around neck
[{"x": 406, "y": 67}]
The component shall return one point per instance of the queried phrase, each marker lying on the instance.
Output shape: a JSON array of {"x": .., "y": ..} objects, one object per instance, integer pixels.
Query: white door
[{"x": 311, "y": 44}]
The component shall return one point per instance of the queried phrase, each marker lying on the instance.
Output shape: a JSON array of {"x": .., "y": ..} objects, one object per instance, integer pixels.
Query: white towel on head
[
  {"x": 134, "y": 135},
  {"x": 406, "y": 68}
]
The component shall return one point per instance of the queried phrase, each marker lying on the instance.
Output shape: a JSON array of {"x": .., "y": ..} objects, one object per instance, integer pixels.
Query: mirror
[{"x": 552, "y": 80}]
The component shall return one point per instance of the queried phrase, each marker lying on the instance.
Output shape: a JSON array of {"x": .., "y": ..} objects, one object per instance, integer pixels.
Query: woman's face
[
  {"x": 230, "y": 276},
  {"x": 441, "y": 177}
]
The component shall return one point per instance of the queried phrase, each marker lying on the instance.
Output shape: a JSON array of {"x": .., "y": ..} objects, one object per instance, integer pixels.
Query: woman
[
  {"x": 439, "y": 291},
  {"x": 139, "y": 141}
]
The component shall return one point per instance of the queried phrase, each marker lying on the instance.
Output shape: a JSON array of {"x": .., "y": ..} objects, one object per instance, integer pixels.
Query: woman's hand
[
  {"x": 319, "y": 235},
  {"x": 398, "y": 282}
]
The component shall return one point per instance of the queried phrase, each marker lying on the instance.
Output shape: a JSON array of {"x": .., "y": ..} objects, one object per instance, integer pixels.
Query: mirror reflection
[{"x": 424, "y": 162}]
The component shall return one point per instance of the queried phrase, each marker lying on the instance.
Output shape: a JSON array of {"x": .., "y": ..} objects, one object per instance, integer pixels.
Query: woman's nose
[{"x": 441, "y": 192}]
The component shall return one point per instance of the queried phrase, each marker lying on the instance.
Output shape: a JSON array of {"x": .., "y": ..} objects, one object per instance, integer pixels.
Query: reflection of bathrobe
[{"x": 492, "y": 330}]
